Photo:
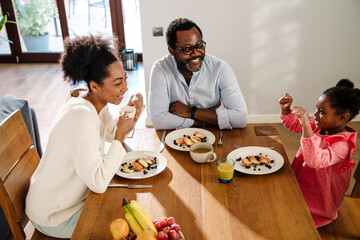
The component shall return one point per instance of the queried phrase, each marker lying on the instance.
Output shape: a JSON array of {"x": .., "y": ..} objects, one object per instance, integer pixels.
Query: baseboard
[
  {"x": 255, "y": 118},
  {"x": 275, "y": 118},
  {"x": 264, "y": 118}
]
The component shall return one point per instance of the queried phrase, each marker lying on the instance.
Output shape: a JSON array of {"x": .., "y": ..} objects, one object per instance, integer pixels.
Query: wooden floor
[{"x": 43, "y": 87}]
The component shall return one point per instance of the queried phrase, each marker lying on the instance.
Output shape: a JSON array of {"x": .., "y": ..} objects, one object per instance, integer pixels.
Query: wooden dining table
[{"x": 269, "y": 206}]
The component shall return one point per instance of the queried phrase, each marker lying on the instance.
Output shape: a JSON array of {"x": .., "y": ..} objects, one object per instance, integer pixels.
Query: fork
[{"x": 220, "y": 137}]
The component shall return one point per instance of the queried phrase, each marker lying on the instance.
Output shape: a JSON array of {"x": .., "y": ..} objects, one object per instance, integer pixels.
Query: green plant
[
  {"x": 34, "y": 16},
  {"x": 3, "y": 21}
]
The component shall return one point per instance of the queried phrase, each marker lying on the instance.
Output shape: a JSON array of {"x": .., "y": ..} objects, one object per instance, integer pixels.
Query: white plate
[
  {"x": 181, "y": 235},
  {"x": 247, "y": 151},
  {"x": 169, "y": 140},
  {"x": 131, "y": 156}
]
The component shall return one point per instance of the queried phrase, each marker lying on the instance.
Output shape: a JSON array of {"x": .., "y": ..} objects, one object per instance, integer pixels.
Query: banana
[
  {"x": 134, "y": 224},
  {"x": 143, "y": 218},
  {"x": 138, "y": 206}
]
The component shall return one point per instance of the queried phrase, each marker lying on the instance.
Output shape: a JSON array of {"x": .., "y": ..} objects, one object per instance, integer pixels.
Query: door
[{"x": 42, "y": 26}]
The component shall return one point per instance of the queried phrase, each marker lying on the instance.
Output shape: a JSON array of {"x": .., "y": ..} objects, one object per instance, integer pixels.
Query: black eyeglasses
[{"x": 189, "y": 50}]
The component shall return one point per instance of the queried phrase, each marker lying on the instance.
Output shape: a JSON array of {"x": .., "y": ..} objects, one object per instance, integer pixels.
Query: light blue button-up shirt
[{"x": 213, "y": 87}]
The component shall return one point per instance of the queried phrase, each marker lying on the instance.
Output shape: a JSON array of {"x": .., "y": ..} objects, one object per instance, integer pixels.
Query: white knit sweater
[{"x": 73, "y": 163}]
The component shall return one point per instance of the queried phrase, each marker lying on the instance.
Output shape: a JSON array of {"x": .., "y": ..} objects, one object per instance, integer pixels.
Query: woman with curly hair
[{"x": 74, "y": 161}]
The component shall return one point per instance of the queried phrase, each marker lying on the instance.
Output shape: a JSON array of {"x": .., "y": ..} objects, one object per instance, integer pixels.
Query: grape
[
  {"x": 160, "y": 235},
  {"x": 165, "y": 236},
  {"x": 158, "y": 225},
  {"x": 166, "y": 229},
  {"x": 175, "y": 227},
  {"x": 173, "y": 235},
  {"x": 163, "y": 223},
  {"x": 170, "y": 221}
]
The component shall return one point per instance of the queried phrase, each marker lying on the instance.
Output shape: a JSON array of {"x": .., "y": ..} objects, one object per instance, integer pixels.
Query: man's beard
[{"x": 187, "y": 66}]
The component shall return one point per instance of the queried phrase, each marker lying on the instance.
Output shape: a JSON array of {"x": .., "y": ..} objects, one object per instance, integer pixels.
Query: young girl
[
  {"x": 324, "y": 161},
  {"x": 74, "y": 162}
]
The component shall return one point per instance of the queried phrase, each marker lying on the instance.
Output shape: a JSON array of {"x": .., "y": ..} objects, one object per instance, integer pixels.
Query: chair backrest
[
  {"x": 18, "y": 161},
  {"x": 356, "y": 190}
]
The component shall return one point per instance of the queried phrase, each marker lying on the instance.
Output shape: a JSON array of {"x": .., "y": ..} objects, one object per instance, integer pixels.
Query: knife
[
  {"x": 162, "y": 145},
  {"x": 129, "y": 185}
]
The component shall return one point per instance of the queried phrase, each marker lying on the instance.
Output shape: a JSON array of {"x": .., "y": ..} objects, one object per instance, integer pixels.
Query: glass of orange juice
[{"x": 225, "y": 170}]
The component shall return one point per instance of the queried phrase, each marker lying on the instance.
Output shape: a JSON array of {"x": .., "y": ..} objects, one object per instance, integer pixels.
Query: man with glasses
[{"x": 191, "y": 88}]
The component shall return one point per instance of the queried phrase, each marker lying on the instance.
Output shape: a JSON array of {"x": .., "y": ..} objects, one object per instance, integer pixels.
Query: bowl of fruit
[
  {"x": 168, "y": 229},
  {"x": 138, "y": 225}
]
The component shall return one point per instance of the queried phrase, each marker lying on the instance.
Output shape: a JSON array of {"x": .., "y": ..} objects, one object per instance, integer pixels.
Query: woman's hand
[
  {"x": 136, "y": 101},
  {"x": 124, "y": 126},
  {"x": 303, "y": 116},
  {"x": 285, "y": 104}
]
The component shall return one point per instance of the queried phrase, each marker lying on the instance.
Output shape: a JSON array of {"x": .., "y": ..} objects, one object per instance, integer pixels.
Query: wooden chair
[
  {"x": 346, "y": 226},
  {"x": 18, "y": 161}
]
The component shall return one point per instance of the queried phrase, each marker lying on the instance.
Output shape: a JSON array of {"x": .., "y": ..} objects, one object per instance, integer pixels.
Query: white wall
[{"x": 274, "y": 46}]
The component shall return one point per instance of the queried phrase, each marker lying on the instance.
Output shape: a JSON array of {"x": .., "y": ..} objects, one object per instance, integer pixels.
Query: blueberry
[
  {"x": 155, "y": 158},
  {"x": 259, "y": 169},
  {"x": 122, "y": 170},
  {"x": 247, "y": 167},
  {"x": 257, "y": 157},
  {"x": 260, "y": 153},
  {"x": 145, "y": 172},
  {"x": 130, "y": 167},
  {"x": 272, "y": 161}
]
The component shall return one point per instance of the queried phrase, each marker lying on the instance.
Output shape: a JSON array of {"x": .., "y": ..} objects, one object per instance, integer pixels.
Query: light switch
[{"x": 157, "y": 31}]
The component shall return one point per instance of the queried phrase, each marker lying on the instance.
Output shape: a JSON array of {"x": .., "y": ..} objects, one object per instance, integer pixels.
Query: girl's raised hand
[
  {"x": 302, "y": 114},
  {"x": 285, "y": 104}
]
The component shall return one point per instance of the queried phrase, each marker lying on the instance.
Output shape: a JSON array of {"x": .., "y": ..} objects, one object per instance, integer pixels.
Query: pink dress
[{"x": 322, "y": 167}]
